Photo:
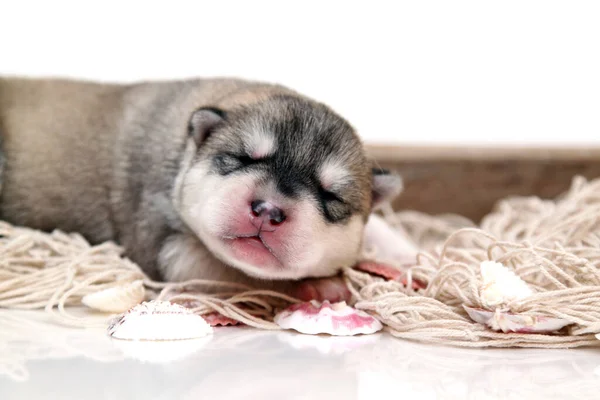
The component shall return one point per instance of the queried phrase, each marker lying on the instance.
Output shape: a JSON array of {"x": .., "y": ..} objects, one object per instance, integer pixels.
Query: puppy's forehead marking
[
  {"x": 260, "y": 143},
  {"x": 333, "y": 174}
]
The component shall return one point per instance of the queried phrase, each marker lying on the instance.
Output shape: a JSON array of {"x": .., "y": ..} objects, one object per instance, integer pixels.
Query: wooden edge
[
  {"x": 417, "y": 153},
  {"x": 470, "y": 180}
]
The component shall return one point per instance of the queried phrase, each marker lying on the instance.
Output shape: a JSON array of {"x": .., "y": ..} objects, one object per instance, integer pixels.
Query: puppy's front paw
[{"x": 333, "y": 289}]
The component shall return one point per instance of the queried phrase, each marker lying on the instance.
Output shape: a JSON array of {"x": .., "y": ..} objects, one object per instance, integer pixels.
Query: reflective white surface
[{"x": 42, "y": 361}]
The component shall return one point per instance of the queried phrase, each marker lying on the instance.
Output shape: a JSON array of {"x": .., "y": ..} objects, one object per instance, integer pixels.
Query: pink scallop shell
[
  {"x": 213, "y": 318},
  {"x": 509, "y": 322},
  {"x": 388, "y": 272},
  {"x": 336, "y": 319},
  {"x": 216, "y": 319}
]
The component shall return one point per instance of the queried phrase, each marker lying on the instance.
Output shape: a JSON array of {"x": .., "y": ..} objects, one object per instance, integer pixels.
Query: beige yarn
[
  {"x": 40, "y": 270},
  {"x": 553, "y": 245}
]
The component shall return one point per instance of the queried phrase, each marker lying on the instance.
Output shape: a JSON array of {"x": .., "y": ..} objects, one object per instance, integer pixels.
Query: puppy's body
[{"x": 116, "y": 162}]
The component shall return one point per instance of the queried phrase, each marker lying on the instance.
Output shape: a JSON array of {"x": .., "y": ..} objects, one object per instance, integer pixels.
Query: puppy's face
[{"x": 280, "y": 189}]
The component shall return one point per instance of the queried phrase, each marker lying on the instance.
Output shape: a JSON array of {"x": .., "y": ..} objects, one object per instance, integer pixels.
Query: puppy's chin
[
  {"x": 251, "y": 257},
  {"x": 255, "y": 259}
]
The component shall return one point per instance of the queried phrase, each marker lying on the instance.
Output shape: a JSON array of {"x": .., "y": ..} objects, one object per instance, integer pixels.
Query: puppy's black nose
[{"x": 267, "y": 211}]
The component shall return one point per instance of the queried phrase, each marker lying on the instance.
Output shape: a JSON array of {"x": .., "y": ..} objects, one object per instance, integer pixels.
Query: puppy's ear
[
  {"x": 386, "y": 186},
  {"x": 203, "y": 122}
]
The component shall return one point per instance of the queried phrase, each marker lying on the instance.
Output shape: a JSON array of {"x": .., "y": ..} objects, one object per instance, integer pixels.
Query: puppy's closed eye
[
  {"x": 227, "y": 163},
  {"x": 334, "y": 207},
  {"x": 245, "y": 159},
  {"x": 328, "y": 196}
]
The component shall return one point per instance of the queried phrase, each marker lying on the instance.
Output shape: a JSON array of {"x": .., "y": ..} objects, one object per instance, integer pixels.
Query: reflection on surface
[
  {"x": 160, "y": 351},
  {"x": 325, "y": 344},
  {"x": 27, "y": 336},
  {"x": 42, "y": 360}
]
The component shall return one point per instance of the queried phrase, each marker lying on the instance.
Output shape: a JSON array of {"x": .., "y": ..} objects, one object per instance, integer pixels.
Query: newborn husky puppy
[{"x": 214, "y": 179}]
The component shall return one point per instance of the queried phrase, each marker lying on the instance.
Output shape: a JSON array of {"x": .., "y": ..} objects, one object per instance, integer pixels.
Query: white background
[{"x": 477, "y": 72}]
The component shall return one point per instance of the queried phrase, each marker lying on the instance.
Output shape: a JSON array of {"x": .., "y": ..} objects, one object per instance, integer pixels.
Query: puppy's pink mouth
[{"x": 253, "y": 250}]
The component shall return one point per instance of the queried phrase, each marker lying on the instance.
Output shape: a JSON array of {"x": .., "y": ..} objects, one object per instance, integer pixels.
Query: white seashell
[
  {"x": 507, "y": 322},
  {"x": 160, "y": 352},
  {"x": 118, "y": 299},
  {"x": 159, "y": 320},
  {"x": 337, "y": 319},
  {"x": 500, "y": 285}
]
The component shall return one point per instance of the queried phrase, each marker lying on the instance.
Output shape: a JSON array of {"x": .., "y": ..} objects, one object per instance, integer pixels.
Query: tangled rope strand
[{"x": 553, "y": 245}]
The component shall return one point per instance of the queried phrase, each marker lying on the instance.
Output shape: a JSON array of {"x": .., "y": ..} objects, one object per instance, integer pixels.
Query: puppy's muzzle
[{"x": 264, "y": 213}]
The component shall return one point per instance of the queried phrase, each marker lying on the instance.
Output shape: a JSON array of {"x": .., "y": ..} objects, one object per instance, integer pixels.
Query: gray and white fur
[{"x": 216, "y": 178}]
